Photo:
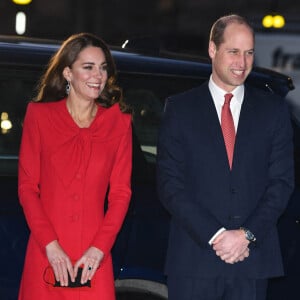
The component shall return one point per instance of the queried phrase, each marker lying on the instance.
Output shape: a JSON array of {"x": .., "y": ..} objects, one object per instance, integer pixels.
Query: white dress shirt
[{"x": 235, "y": 106}]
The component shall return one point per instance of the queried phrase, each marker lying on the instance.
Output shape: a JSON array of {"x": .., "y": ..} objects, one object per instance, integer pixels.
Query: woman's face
[{"x": 88, "y": 74}]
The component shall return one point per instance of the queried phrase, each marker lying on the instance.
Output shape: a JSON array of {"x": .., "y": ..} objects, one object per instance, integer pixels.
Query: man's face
[{"x": 233, "y": 61}]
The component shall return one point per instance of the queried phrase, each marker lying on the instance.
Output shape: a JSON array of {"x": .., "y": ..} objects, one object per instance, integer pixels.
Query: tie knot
[{"x": 228, "y": 98}]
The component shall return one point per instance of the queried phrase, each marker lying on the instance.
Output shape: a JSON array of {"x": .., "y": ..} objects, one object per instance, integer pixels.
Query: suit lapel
[
  {"x": 209, "y": 120},
  {"x": 247, "y": 117}
]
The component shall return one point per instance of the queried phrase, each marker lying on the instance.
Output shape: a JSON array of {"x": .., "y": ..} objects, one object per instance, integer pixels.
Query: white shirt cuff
[{"x": 216, "y": 234}]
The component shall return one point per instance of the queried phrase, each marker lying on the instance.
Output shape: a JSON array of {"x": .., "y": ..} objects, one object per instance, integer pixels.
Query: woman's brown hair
[{"x": 52, "y": 85}]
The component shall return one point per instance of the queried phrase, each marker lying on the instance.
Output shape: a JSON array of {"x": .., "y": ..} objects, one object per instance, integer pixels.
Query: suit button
[{"x": 233, "y": 191}]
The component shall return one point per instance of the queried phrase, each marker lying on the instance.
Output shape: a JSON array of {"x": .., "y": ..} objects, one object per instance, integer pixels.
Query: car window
[
  {"x": 146, "y": 95},
  {"x": 16, "y": 89}
]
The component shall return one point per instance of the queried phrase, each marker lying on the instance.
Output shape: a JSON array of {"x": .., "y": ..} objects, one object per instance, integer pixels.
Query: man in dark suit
[{"x": 225, "y": 174}]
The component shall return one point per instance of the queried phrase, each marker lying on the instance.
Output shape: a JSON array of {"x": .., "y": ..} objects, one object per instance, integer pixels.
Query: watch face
[{"x": 250, "y": 236}]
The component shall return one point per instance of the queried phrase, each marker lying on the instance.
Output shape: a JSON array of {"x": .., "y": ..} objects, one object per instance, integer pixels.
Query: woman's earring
[{"x": 68, "y": 88}]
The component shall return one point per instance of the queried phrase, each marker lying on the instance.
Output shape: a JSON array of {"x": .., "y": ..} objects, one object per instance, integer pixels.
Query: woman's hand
[
  {"x": 60, "y": 263},
  {"x": 90, "y": 260}
]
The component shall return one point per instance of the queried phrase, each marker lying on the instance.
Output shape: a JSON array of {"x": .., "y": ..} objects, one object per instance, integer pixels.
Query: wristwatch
[{"x": 249, "y": 235}]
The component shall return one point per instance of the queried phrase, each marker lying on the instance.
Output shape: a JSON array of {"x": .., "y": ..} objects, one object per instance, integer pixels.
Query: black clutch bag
[{"x": 50, "y": 279}]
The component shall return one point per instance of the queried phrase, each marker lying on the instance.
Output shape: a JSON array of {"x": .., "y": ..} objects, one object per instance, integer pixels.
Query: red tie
[{"x": 228, "y": 128}]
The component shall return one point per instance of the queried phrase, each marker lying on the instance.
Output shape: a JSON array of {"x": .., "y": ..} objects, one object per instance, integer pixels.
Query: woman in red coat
[{"x": 75, "y": 151}]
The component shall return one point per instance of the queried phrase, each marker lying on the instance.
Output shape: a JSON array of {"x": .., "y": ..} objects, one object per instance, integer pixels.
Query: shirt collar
[{"x": 218, "y": 93}]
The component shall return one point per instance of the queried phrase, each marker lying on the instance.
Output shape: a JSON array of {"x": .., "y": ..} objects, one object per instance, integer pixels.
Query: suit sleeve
[
  {"x": 29, "y": 180},
  {"x": 280, "y": 176},
  {"x": 197, "y": 221},
  {"x": 119, "y": 193}
]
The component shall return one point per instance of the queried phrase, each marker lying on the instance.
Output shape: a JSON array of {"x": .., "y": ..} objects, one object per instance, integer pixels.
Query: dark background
[{"x": 178, "y": 25}]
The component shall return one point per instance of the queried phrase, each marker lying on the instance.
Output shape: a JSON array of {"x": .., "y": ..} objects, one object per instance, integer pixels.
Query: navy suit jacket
[{"x": 202, "y": 194}]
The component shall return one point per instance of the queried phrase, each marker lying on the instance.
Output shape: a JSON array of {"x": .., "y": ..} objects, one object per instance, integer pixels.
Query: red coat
[{"x": 64, "y": 174}]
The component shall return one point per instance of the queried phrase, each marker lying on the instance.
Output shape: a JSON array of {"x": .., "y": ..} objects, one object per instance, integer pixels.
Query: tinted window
[
  {"x": 146, "y": 95},
  {"x": 16, "y": 89},
  {"x": 143, "y": 92}
]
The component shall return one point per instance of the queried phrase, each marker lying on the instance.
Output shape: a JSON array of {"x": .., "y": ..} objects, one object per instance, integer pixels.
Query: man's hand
[
  {"x": 231, "y": 246},
  {"x": 60, "y": 263}
]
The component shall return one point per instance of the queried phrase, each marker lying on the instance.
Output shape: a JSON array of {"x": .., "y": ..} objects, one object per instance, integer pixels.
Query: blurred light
[
  {"x": 267, "y": 21},
  {"x": 22, "y": 2},
  {"x": 276, "y": 21},
  {"x": 20, "y": 23},
  {"x": 4, "y": 115},
  {"x": 125, "y": 43},
  {"x": 5, "y": 123}
]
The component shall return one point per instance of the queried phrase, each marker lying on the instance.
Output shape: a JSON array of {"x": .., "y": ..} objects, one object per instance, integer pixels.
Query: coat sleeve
[
  {"x": 280, "y": 181},
  {"x": 119, "y": 193},
  {"x": 190, "y": 216},
  {"x": 29, "y": 180}
]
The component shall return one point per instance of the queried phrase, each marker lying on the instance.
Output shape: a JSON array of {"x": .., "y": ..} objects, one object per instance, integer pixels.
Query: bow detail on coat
[{"x": 71, "y": 157}]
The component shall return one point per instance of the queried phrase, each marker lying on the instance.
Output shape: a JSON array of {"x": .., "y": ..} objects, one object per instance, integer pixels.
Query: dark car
[{"x": 140, "y": 249}]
